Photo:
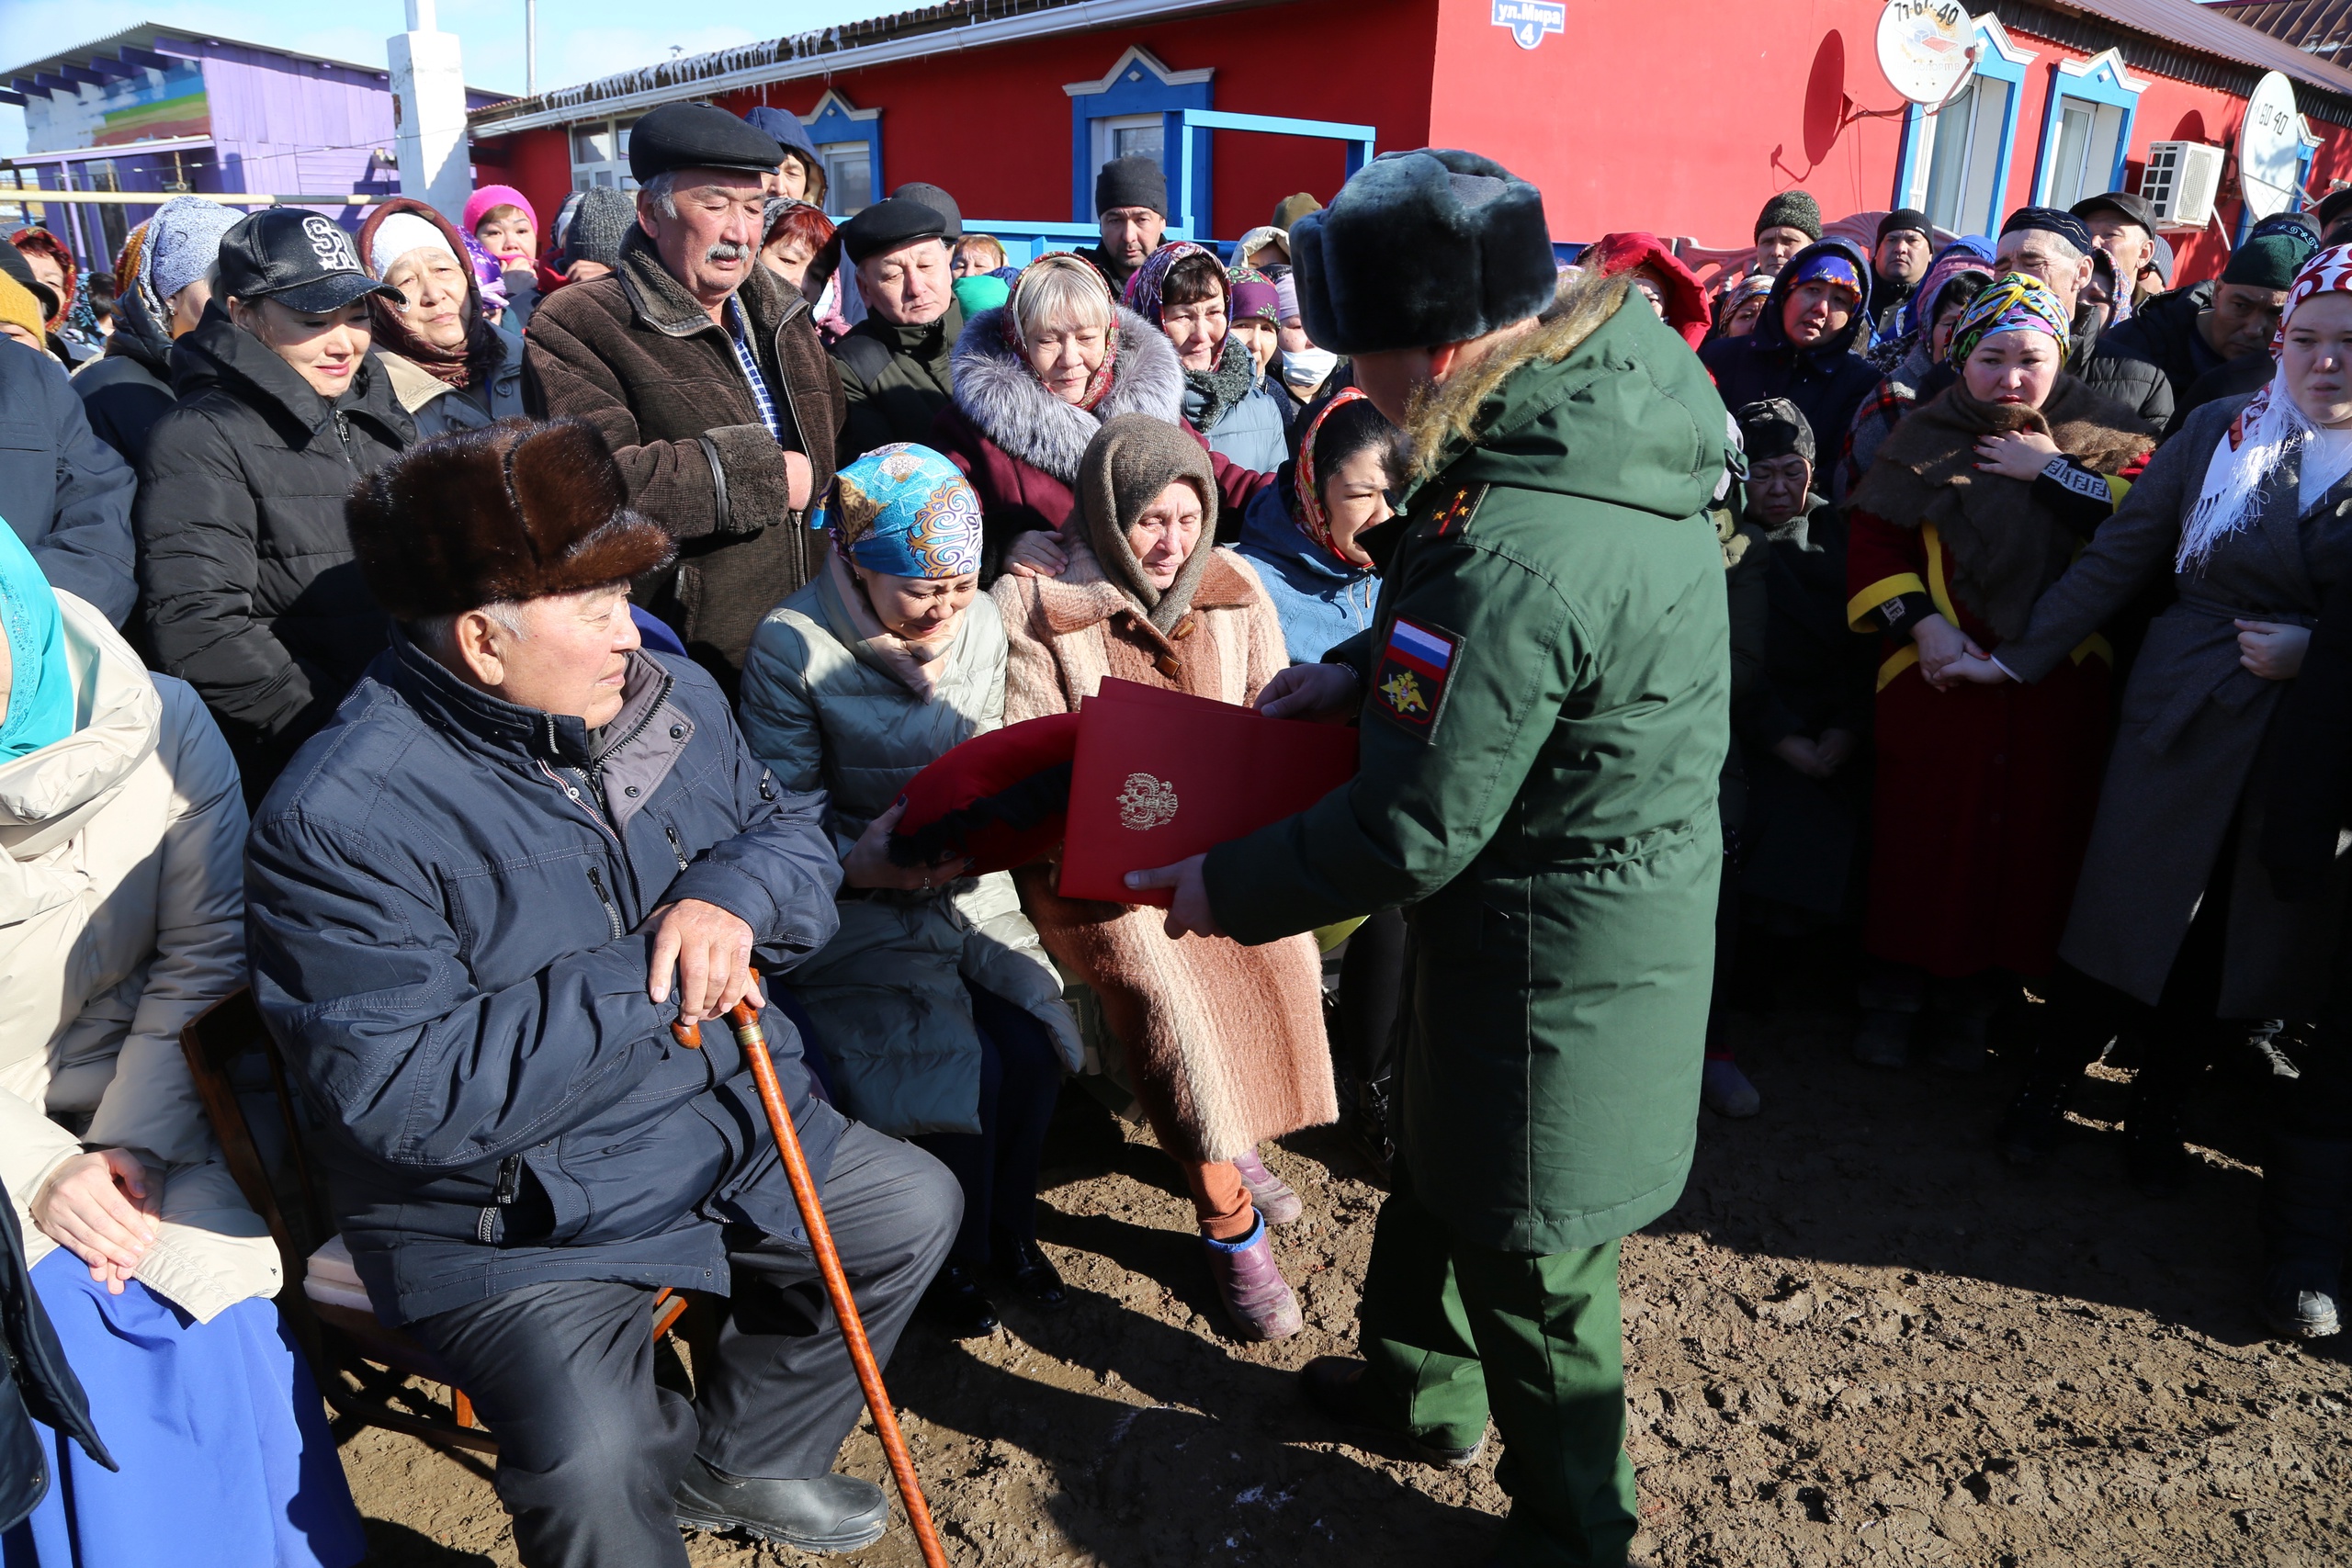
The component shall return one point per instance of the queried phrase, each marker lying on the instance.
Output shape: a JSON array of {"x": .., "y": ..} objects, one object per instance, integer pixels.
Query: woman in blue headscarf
[
  {"x": 939, "y": 1016},
  {"x": 121, "y": 918}
]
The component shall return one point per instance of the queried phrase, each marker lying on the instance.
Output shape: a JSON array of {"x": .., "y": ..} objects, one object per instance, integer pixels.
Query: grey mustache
[{"x": 728, "y": 250}]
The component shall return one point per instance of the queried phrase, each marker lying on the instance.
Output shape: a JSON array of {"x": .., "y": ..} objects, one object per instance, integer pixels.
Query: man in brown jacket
[{"x": 705, "y": 376}]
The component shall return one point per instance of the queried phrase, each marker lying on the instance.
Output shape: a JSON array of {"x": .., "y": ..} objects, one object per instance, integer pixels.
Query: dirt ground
[{"x": 1858, "y": 1339}]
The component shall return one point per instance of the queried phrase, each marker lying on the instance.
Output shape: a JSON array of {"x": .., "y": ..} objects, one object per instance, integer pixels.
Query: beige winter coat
[
  {"x": 121, "y": 918},
  {"x": 1227, "y": 1039}
]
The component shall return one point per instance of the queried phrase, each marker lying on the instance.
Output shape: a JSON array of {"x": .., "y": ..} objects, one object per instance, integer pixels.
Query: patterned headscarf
[
  {"x": 1754, "y": 286},
  {"x": 2267, "y": 431},
  {"x": 2013, "y": 303},
  {"x": 1309, "y": 485},
  {"x": 1253, "y": 293},
  {"x": 1099, "y": 384},
  {"x": 1144, "y": 288},
  {"x": 904, "y": 510},
  {"x": 1830, "y": 266},
  {"x": 1970, "y": 252}
]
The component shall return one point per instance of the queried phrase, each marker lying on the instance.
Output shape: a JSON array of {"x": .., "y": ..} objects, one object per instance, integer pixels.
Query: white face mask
[{"x": 1308, "y": 366}]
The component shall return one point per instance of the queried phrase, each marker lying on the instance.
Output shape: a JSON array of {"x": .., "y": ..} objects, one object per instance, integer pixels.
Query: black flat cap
[
  {"x": 2134, "y": 207},
  {"x": 2051, "y": 221},
  {"x": 939, "y": 201},
  {"x": 1774, "y": 427},
  {"x": 698, "y": 135},
  {"x": 887, "y": 225}
]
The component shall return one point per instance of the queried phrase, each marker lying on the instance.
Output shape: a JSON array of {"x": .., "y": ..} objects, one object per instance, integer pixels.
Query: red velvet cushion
[{"x": 999, "y": 798}]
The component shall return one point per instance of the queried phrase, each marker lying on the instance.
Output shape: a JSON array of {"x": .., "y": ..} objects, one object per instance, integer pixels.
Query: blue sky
[{"x": 579, "y": 40}]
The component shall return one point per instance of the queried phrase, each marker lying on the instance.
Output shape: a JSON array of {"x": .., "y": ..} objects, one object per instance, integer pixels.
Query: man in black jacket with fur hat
[{"x": 477, "y": 902}]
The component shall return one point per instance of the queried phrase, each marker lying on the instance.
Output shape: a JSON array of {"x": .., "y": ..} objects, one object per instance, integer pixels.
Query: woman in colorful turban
[
  {"x": 937, "y": 1016},
  {"x": 1983, "y": 796}
]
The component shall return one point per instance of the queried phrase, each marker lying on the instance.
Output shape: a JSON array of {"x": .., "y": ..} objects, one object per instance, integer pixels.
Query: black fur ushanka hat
[
  {"x": 517, "y": 509},
  {"x": 1421, "y": 249}
]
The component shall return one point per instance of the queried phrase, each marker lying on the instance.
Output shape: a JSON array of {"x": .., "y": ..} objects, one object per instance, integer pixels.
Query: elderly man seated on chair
[{"x": 477, "y": 901}]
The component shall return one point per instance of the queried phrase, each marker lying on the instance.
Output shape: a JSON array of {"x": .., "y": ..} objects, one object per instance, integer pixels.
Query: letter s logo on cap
[{"x": 330, "y": 245}]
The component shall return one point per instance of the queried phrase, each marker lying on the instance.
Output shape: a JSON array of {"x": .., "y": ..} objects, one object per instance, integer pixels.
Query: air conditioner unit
[{"x": 2180, "y": 181}]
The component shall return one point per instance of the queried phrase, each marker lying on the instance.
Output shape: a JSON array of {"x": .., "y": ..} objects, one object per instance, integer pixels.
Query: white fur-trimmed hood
[{"x": 997, "y": 393}]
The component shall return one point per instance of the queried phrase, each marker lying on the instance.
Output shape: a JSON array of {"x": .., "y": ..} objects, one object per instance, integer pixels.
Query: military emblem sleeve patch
[{"x": 1410, "y": 682}]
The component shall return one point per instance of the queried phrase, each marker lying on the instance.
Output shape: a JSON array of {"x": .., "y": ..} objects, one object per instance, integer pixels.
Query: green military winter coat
[
  {"x": 1547, "y": 715},
  {"x": 887, "y": 993}
]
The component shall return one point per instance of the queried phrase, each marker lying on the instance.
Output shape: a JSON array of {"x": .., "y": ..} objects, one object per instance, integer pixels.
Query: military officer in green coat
[{"x": 1543, "y": 696}]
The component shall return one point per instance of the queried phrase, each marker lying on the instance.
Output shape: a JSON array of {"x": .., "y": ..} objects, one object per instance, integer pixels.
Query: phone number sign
[{"x": 1529, "y": 21}]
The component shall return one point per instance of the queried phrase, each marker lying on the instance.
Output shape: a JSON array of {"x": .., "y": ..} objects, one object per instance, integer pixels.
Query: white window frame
[
  {"x": 1106, "y": 136},
  {"x": 611, "y": 173},
  {"x": 836, "y": 189}
]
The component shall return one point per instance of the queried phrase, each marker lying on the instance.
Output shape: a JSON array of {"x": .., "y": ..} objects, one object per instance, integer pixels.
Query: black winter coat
[
  {"x": 1828, "y": 381},
  {"x": 445, "y": 896},
  {"x": 62, "y": 490},
  {"x": 36, "y": 1384},
  {"x": 2162, "y": 333},
  {"x": 126, "y": 389},
  {"x": 250, "y": 589}
]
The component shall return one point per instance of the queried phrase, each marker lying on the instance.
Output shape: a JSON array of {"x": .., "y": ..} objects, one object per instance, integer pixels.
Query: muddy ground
[{"x": 1858, "y": 1339}]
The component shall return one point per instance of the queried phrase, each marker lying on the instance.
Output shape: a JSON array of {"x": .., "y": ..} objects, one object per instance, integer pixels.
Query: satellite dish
[
  {"x": 1926, "y": 47},
  {"x": 2269, "y": 147}
]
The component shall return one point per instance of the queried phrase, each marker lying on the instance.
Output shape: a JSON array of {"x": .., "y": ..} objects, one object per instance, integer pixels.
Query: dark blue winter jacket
[
  {"x": 65, "y": 492},
  {"x": 1322, "y": 601},
  {"x": 1828, "y": 381},
  {"x": 444, "y": 895}
]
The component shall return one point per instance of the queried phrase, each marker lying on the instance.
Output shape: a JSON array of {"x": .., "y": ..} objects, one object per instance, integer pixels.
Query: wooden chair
[{"x": 342, "y": 1342}]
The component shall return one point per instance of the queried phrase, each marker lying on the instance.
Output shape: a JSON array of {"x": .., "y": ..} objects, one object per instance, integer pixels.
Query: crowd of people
[{"x": 496, "y": 645}]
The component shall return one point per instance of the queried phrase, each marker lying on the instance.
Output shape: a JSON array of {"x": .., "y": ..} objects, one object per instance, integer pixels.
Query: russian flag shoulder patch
[{"x": 1416, "y": 666}]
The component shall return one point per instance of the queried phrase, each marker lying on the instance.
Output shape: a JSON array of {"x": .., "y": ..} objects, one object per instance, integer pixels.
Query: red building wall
[
  {"x": 1631, "y": 120},
  {"x": 993, "y": 125},
  {"x": 1679, "y": 120}
]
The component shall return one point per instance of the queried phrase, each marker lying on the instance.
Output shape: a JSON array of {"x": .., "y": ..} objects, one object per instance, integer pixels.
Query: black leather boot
[{"x": 821, "y": 1513}]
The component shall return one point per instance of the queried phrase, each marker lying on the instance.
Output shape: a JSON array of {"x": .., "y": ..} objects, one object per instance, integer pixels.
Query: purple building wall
[{"x": 279, "y": 125}]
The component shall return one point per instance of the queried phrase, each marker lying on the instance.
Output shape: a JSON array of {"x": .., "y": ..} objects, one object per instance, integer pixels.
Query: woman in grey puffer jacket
[{"x": 938, "y": 1013}]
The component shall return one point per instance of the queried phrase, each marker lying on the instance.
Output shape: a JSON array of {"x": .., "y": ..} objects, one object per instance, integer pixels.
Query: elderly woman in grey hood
[{"x": 938, "y": 1014}]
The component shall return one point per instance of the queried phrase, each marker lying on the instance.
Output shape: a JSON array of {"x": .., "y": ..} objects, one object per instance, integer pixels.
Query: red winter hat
[
  {"x": 999, "y": 798},
  {"x": 1686, "y": 301}
]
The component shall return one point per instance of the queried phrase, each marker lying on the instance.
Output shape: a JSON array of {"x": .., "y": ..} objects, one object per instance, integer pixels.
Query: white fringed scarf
[{"x": 2267, "y": 431}]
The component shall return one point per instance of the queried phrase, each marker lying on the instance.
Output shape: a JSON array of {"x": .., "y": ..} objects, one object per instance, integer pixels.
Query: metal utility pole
[{"x": 531, "y": 47}]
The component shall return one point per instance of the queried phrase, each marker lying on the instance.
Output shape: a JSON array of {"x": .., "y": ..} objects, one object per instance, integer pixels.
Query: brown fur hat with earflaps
[{"x": 517, "y": 509}]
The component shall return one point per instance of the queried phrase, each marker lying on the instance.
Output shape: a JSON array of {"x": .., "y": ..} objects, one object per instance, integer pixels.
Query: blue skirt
[{"x": 226, "y": 1457}]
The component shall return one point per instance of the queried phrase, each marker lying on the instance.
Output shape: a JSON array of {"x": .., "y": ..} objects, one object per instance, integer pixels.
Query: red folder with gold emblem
[{"x": 1160, "y": 775}]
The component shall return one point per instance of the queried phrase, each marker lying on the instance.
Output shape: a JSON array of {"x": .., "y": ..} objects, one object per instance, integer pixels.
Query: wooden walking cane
[{"x": 744, "y": 1018}]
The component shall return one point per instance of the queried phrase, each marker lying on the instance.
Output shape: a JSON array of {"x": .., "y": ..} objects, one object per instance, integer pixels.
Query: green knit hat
[
  {"x": 1791, "y": 209},
  {"x": 2270, "y": 262}
]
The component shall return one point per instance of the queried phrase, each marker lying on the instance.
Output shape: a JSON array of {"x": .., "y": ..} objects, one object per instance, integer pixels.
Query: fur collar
[
  {"x": 1445, "y": 419},
  {"x": 999, "y": 396},
  {"x": 1083, "y": 595}
]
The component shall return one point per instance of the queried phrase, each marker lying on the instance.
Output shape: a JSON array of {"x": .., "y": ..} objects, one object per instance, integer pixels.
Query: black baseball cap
[
  {"x": 301, "y": 260},
  {"x": 2135, "y": 207}
]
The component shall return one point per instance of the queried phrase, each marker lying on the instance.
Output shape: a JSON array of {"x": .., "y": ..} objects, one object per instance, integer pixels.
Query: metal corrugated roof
[
  {"x": 2322, "y": 28},
  {"x": 2210, "y": 29}
]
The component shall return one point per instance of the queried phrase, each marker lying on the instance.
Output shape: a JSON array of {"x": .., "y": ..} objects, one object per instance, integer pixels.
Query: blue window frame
[
  {"x": 849, "y": 141},
  {"x": 2085, "y": 131},
  {"x": 1955, "y": 162},
  {"x": 1124, "y": 112}
]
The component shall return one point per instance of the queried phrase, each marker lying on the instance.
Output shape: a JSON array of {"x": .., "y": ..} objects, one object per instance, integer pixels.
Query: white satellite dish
[
  {"x": 1926, "y": 47},
  {"x": 2269, "y": 147}
]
